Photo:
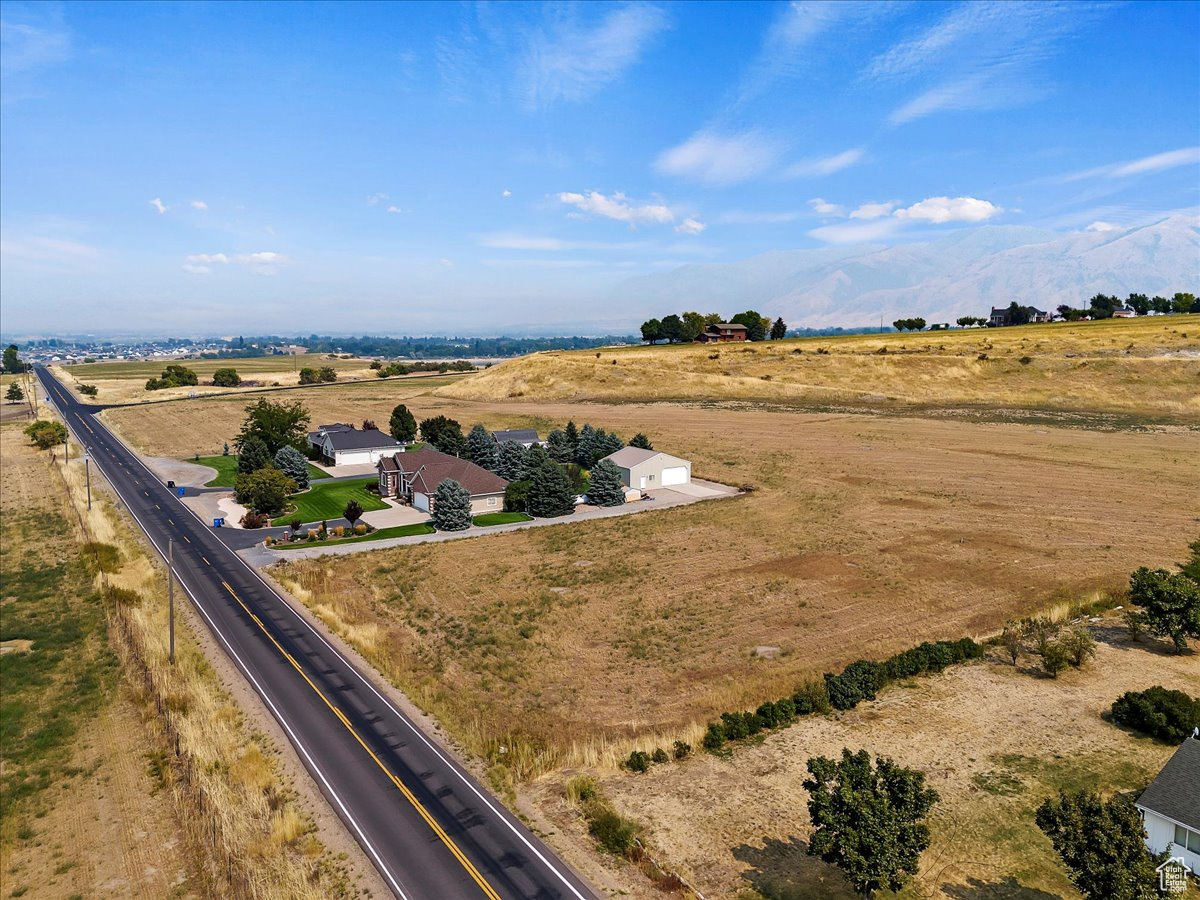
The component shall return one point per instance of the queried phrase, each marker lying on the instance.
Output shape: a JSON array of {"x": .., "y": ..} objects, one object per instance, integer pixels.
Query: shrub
[
  {"x": 268, "y": 540},
  {"x": 659, "y": 755},
  {"x": 861, "y": 680},
  {"x": 89, "y": 389},
  {"x": 296, "y": 524},
  {"x": 1054, "y": 658},
  {"x": 1025, "y": 360},
  {"x": 339, "y": 531},
  {"x": 581, "y": 789},
  {"x": 255, "y": 520},
  {"x": 122, "y": 596},
  {"x": 811, "y": 697},
  {"x": 1167, "y": 716},
  {"x": 46, "y": 434},
  {"x": 639, "y": 761},
  {"x": 360, "y": 528},
  {"x": 1079, "y": 645},
  {"x": 613, "y": 833},
  {"x": 1135, "y": 622},
  {"x": 681, "y": 750}
]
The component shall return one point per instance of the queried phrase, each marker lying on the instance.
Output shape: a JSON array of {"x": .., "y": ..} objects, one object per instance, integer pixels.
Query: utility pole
[
  {"x": 87, "y": 473},
  {"x": 171, "y": 599}
]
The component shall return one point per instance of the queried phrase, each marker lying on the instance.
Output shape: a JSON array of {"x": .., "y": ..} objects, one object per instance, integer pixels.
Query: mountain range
[{"x": 965, "y": 273}]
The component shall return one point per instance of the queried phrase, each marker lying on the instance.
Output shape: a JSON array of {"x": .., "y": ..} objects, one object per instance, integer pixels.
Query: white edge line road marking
[
  {"x": 450, "y": 764},
  {"x": 278, "y": 716}
]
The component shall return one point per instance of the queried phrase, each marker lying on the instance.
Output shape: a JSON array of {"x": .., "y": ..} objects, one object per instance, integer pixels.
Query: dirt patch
[
  {"x": 18, "y": 645},
  {"x": 806, "y": 566}
]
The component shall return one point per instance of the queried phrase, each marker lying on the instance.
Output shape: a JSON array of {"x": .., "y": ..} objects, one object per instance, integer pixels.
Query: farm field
[
  {"x": 1144, "y": 369},
  {"x": 125, "y": 382},
  {"x": 80, "y": 815}
]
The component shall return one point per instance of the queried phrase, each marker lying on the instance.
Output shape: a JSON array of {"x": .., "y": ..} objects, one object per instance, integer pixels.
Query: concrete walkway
[{"x": 662, "y": 498}]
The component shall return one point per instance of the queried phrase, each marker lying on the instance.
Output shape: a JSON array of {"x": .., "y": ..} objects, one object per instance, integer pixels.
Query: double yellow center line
[{"x": 487, "y": 889}]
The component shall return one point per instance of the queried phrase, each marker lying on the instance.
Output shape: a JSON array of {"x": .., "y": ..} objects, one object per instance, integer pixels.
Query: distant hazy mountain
[{"x": 963, "y": 274}]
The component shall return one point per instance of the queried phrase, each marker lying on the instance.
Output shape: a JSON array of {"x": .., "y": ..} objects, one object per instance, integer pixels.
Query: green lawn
[
  {"x": 501, "y": 518},
  {"x": 325, "y": 500},
  {"x": 393, "y": 532},
  {"x": 226, "y": 467}
]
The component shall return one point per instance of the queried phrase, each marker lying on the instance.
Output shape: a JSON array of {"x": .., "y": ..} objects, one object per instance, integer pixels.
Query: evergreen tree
[
  {"x": 451, "y": 507},
  {"x": 572, "y": 434},
  {"x": 778, "y": 330},
  {"x": 12, "y": 362},
  {"x": 291, "y": 462},
  {"x": 605, "y": 487},
  {"x": 550, "y": 493},
  {"x": 558, "y": 445},
  {"x": 402, "y": 425},
  {"x": 15, "y": 394},
  {"x": 584, "y": 447},
  {"x": 640, "y": 441},
  {"x": 511, "y": 462},
  {"x": 532, "y": 461},
  {"x": 253, "y": 455},
  {"x": 481, "y": 448},
  {"x": 605, "y": 444},
  {"x": 444, "y": 434}
]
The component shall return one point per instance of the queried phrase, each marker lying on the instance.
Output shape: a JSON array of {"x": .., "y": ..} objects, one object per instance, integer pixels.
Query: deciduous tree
[
  {"x": 755, "y": 330},
  {"x": 869, "y": 820},
  {"x": 652, "y": 331},
  {"x": 12, "y": 362},
  {"x": 275, "y": 424},
  {"x": 265, "y": 491},
  {"x": 1171, "y": 602},
  {"x": 353, "y": 511},
  {"x": 46, "y": 434},
  {"x": 443, "y": 434},
  {"x": 1102, "y": 844},
  {"x": 226, "y": 378}
]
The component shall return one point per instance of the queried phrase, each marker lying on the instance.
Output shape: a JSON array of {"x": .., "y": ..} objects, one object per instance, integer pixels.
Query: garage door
[{"x": 674, "y": 475}]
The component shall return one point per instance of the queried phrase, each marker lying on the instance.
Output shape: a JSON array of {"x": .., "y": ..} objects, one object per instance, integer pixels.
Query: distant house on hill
[
  {"x": 344, "y": 445},
  {"x": 1124, "y": 313},
  {"x": 1039, "y": 315},
  {"x": 414, "y": 478},
  {"x": 1170, "y": 806},
  {"x": 723, "y": 332},
  {"x": 999, "y": 317},
  {"x": 526, "y": 437}
]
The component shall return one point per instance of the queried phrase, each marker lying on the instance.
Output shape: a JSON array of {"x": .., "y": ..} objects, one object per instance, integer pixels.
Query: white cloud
[
  {"x": 949, "y": 209},
  {"x": 690, "y": 226},
  {"x": 1103, "y": 226},
  {"x": 377, "y": 198},
  {"x": 870, "y": 211},
  {"x": 856, "y": 232},
  {"x": 506, "y": 193},
  {"x": 570, "y": 61},
  {"x": 826, "y": 166},
  {"x": 749, "y": 217},
  {"x": 264, "y": 262},
  {"x": 824, "y": 207},
  {"x": 200, "y": 205},
  {"x": 720, "y": 159},
  {"x": 617, "y": 207},
  {"x": 1159, "y": 162},
  {"x": 395, "y": 209},
  {"x": 158, "y": 205},
  {"x": 980, "y": 55}
]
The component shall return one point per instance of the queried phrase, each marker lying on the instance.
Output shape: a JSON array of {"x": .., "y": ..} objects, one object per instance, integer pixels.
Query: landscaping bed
[{"x": 376, "y": 535}]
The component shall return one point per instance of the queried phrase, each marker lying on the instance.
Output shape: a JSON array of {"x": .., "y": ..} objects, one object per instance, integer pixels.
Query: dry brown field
[
  {"x": 125, "y": 381},
  {"x": 102, "y": 827},
  {"x": 1147, "y": 368},
  {"x": 994, "y": 741}
]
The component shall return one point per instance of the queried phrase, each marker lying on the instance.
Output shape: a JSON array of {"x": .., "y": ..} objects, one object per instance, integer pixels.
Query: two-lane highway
[{"x": 428, "y": 826}]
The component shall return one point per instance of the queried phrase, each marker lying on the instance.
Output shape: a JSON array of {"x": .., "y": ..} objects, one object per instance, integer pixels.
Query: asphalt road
[{"x": 426, "y": 824}]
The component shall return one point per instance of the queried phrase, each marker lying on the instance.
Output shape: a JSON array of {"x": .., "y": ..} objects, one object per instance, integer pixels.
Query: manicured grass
[
  {"x": 226, "y": 467},
  {"x": 326, "y": 499},
  {"x": 378, "y": 535},
  {"x": 501, "y": 518}
]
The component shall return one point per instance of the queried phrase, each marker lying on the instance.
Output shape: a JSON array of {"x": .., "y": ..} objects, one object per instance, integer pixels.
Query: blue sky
[{"x": 473, "y": 168}]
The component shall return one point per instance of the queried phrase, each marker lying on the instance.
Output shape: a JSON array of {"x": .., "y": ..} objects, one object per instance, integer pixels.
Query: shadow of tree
[
  {"x": 783, "y": 870},
  {"x": 1006, "y": 888}
]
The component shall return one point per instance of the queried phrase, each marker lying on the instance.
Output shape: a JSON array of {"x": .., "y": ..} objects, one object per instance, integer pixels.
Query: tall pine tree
[
  {"x": 252, "y": 456},
  {"x": 481, "y": 448},
  {"x": 585, "y": 446},
  {"x": 451, "y": 507},
  {"x": 550, "y": 492},
  {"x": 605, "y": 487},
  {"x": 291, "y": 462},
  {"x": 558, "y": 445},
  {"x": 510, "y": 464}
]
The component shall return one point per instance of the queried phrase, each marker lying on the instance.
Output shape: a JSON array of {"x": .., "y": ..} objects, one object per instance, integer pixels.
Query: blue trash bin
[
  {"x": 217, "y": 523},
  {"x": 181, "y": 491}
]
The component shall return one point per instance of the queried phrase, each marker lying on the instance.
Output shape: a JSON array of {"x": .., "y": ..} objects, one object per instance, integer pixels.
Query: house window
[
  {"x": 1185, "y": 838},
  {"x": 491, "y": 501}
]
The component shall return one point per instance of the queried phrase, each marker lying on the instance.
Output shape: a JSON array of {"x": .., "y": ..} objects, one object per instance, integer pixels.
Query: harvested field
[
  {"x": 1147, "y": 368},
  {"x": 994, "y": 741},
  {"x": 573, "y": 641},
  {"x": 125, "y": 382}
]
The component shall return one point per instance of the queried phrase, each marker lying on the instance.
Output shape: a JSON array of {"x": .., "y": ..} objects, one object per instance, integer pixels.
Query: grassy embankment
[{"x": 240, "y": 818}]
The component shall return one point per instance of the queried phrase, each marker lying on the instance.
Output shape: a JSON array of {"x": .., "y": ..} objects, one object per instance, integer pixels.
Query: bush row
[{"x": 861, "y": 680}]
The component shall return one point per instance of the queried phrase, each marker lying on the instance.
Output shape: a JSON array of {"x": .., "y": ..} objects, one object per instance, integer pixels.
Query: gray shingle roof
[
  {"x": 1175, "y": 793},
  {"x": 520, "y": 435},
  {"x": 360, "y": 440}
]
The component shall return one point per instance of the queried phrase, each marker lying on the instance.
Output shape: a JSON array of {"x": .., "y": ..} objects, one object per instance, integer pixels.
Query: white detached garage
[{"x": 648, "y": 469}]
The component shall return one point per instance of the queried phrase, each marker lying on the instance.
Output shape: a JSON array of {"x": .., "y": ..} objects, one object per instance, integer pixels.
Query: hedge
[
  {"x": 861, "y": 680},
  {"x": 1164, "y": 715}
]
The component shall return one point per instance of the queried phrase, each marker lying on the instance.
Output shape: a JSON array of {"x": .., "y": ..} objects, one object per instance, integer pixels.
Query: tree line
[
  {"x": 442, "y": 347},
  {"x": 686, "y": 327}
]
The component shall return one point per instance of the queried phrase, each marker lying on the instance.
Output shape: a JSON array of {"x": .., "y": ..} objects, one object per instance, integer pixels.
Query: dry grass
[
  {"x": 570, "y": 645},
  {"x": 125, "y": 382},
  {"x": 993, "y": 741},
  {"x": 1148, "y": 367},
  {"x": 237, "y": 811}
]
